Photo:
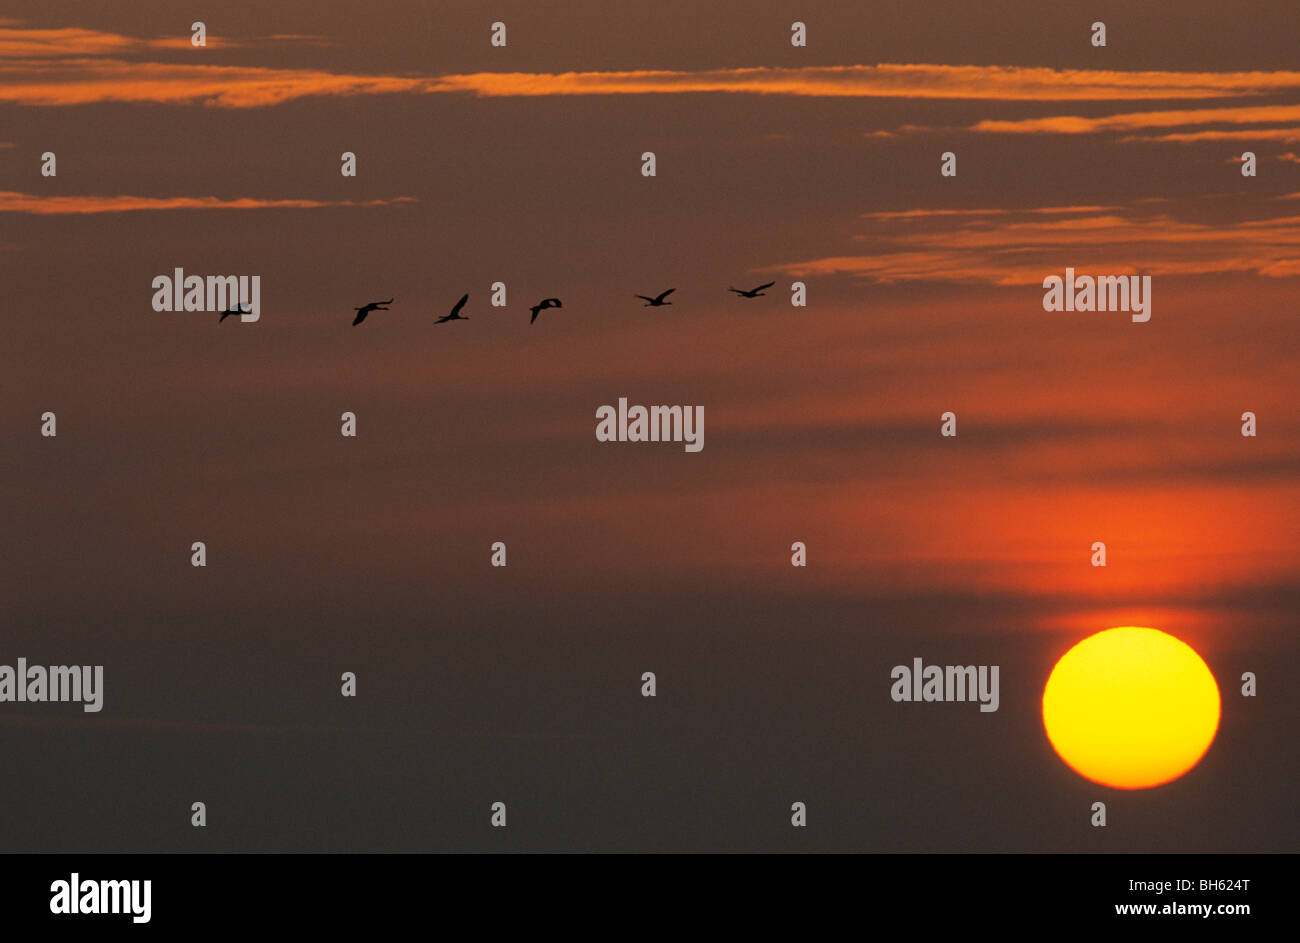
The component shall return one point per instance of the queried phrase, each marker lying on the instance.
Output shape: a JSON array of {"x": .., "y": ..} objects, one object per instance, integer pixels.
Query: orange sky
[{"x": 860, "y": 379}]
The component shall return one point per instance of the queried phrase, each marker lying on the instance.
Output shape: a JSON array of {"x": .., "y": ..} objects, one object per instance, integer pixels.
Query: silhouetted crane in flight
[
  {"x": 455, "y": 312},
  {"x": 227, "y": 313},
  {"x": 542, "y": 306},
  {"x": 366, "y": 309},
  {"x": 658, "y": 300},
  {"x": 753, "y": 292}
]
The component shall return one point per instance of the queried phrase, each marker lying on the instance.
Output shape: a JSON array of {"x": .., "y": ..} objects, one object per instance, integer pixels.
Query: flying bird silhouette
[
  {"x": 455, "y": 312},
  {"x": 366, "y": 309},
  {"x": 753, "y": 292},
  {"x": 542, "y": 306},
  {"x": 658, "y": 300},
  {"x": 227, "y": 313}
]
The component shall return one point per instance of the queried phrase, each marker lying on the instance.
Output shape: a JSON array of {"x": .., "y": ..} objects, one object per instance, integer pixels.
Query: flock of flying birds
[{"x": 656, "y": 302}]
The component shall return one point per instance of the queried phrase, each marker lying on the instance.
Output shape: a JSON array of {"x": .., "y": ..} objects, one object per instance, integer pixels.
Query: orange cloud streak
[
  {"x": 1022, "y": 251},
  {"x": 888, "y": 80},
  {"x": 14, "y": 202},
  {"x": 1286, "y": 135},
  {"x": 74, "y": 42},
  {"x": 68, "y": 41},
  {"x": 87, "y": 81},
  {"x": 932, "y": 213},
  {"x": 72, "y": 66},
  {"x": 1071, "y": 124}
]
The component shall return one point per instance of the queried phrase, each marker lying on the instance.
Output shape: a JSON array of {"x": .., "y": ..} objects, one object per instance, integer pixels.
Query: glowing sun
[{"x": 1131, "y": 707}]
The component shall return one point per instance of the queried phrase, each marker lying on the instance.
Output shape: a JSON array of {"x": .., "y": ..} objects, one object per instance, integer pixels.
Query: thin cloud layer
[
  {"x": 889, "y": 80},
  {"x": 1021, "y": 250},
  {"x": 70, "y": 42},
  {"x": 1139, "y": 120},
  {"x": 91, "y": 81},
  {"x": 932, "y": 213},
  {"x": 76, "y": 66},
  {"x": 14, "y": 202},
  {"x": 1285, "y": 135},
  {"x": 86, "y": 80}
]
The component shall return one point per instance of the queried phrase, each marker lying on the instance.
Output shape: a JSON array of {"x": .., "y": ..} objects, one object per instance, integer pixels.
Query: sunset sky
[{"x": 522, "y": 164}]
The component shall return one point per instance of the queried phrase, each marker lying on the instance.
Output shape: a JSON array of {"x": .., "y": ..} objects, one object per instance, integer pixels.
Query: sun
[{"x": 1131, "y": 707}]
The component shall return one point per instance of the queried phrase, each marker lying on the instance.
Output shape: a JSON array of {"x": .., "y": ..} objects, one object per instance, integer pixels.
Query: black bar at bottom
[{"x": 1219, "y": 893}]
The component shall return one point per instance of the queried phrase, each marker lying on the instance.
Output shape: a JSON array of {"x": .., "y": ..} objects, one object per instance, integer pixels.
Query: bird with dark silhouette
[
  {"x": 366, "y": 309},
  {"x": 227, "y": 313},
  {"x": 657, "y": 301},
  {"x": 455, "y": 312},
  {"x": 753, "y": 292},
  {"x": 542, "y": 306}
]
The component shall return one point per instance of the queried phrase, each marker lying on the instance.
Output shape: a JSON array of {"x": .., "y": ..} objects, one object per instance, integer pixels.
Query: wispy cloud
[
  {"x": 1139, "y": 120},
  {"x": 889, "y": 80},
  {"x": 14, "y": 202},
  {"x": 75, "y": 66},
  {"x": 1015, "y": 248},
  {"x": 1285, "y": 135},
  {"x": 88, "y": 81},
  {"x": 73, "y": 42},
  {"x": 933, "y": 213},
  {"x": 17, "y": 42}
]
